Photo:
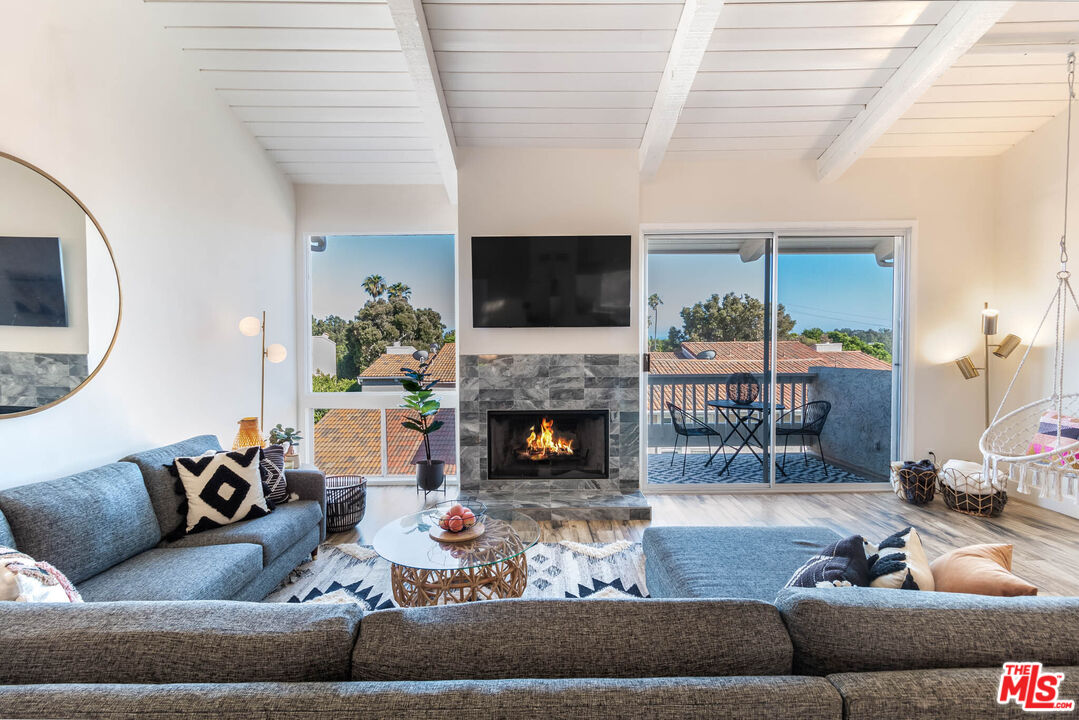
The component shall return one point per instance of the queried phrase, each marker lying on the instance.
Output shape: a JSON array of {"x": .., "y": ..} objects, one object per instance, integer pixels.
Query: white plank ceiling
[
  {"x": 325, "y": 86},
  {"x": 1009, "y": 84}
]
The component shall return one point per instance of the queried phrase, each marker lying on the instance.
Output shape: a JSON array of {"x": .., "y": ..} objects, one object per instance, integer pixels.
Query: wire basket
[
  {"x": 967, "y": 493},
  {"x": 913, "y": 485},
  {"x": 346, "y": 502}
]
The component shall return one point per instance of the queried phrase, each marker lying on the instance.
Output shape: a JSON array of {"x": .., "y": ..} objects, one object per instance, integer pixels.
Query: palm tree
[
  {"x": 653, "y": 304},
  {"x": 375, "y": 286},
  {"x": 399, "y": 290}
]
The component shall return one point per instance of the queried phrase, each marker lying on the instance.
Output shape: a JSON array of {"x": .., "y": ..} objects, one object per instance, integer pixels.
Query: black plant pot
[{"x": 429, "y": 474}]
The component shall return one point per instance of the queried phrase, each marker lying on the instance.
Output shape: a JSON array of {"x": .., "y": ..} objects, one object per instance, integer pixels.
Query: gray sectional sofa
[
  {"x": 723, "y": 644},
  {"x": 814, "y": 654},
  {"x": 105, "y": 528}
]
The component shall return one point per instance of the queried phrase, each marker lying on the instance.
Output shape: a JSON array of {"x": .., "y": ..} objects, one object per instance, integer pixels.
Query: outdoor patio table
[{"x": 744, "y": 420}]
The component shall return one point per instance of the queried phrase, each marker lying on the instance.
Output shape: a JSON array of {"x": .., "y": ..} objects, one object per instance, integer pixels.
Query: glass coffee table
[{"x": 427, "y": 572}]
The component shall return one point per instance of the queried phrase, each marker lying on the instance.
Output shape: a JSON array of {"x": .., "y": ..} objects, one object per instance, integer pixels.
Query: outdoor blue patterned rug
[
  {"x": 356, "y": 574},
  {"x": 744, "y": 469}
]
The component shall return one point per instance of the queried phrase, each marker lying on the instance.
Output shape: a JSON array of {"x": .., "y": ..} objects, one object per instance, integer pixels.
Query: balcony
[{"x": 856, "y": 438}]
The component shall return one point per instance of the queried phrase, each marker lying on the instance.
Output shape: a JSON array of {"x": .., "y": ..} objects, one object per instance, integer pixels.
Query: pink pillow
[{"x": 1046, "y": 438}]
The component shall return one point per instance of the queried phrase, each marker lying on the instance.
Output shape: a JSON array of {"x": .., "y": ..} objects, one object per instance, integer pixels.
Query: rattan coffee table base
[{"x": 413, "y": 587}]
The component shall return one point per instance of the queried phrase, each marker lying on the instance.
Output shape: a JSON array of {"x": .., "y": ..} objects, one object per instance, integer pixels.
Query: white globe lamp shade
[
  {"x": 276, "y": 353},
  {"x": 250, "y": 326}
]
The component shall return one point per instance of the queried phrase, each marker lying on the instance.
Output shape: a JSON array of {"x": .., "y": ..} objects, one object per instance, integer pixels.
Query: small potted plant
[
  {"x": 291, "y": 436},
  {"x": 421, "y": 400}
]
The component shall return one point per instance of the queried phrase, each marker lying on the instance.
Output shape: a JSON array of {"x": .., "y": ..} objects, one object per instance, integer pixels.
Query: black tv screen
[
  {"x": 574, "y": 281},
  {"x": 32, "y": 282}
]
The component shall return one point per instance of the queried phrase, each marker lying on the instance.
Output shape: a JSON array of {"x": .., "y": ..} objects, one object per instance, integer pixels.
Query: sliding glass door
[
  {"x": 771, "y": 360},
  {"x": 837, "y": 306},
  {"x": 709, "y": 383}
]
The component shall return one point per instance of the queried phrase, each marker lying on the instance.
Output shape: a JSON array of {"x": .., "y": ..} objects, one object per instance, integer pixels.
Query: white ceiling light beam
[
  {"x": 957, "y": 31},
  {"x": 687, "y": 51},
  {"x": 411, "y": 27}
]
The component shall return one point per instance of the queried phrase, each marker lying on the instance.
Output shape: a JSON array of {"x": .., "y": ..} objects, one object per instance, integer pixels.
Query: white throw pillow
[
  {"x": 222, "y": 489},
  {"x": 899, "y": 562}
]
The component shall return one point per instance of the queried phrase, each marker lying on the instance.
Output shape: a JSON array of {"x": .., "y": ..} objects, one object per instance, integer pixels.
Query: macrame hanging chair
[{"x": 1036, "y": 447}]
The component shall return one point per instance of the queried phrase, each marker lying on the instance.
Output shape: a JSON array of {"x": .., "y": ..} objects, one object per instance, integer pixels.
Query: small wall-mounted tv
[
  {"x": 32, "y": 282},
  {"x": 564, "y": 281}
]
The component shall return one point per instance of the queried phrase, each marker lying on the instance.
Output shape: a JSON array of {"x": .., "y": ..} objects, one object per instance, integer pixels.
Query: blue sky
[
  {"x": 423, "y": 262},
  {"x": 826, "y": 291}
]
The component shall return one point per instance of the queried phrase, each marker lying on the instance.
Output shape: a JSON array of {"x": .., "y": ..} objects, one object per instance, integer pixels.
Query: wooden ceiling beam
[
  {"x": 691, "y": 40},
  {"x": 411, "y": 27},
  {"x": 964, "y": 24}
]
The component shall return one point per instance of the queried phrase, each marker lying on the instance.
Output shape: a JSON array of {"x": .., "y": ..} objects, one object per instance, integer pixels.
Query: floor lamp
[
  {"x": 1001, "y": 350},
  {"x": 252, "y": 326}
]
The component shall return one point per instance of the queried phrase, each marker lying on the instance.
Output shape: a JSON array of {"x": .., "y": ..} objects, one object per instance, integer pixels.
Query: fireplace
[{"x": 570, "y": 444}]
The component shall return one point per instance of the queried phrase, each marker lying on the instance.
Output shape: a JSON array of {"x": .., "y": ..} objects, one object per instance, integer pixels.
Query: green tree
[
  {"x": 375, "y": 286},
  {"x": 450, "y": 336},
  {"x": 336, "y": 329},
  {"x": 380, "y": 323},
  {"x": 321, "y": 382},
  {"x": 399, "y": 290},
  {"x": 654, "y": 301},
  {"x": 849, "y": 342},
  {"x": 731, "y": 318}
]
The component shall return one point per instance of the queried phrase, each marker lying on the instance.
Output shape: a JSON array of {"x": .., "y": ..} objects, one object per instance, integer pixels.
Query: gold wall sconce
[{"x": 1002, "y": 350}]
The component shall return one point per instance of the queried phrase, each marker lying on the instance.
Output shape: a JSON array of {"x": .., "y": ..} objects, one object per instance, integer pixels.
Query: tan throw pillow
[{"x": 979, "y": 570}]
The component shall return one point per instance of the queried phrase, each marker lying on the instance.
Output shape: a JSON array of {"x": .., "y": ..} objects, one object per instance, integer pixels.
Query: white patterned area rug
[{"x": 356, "y": 574}]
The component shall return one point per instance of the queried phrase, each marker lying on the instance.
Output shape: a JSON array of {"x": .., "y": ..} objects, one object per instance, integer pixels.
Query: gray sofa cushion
[
  {"x": 573, "y": 638},
  {"x": 275, "y": 573},
  {"x": 730, "y": 562},
  {"x": 914, "y": 630},
  {"x": 276, "y": 532},
  {"x": 6, "y": 538},
  {"x": 197, "y": 573},
  {"x": 83, "y": 523},
  {"x": 180, "y": 642},
  {"x": 161, "y": 484},
  {"x": 968, "y": 693},
  {"x": 731, "y": 698}
]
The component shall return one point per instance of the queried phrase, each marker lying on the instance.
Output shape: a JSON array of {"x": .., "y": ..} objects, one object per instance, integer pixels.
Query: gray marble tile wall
[
  {"x": 550, "y": 382},
  {"x": 35, "y": 379}
]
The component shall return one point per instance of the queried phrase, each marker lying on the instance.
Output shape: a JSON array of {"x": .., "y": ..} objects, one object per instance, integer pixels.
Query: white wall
[
  {"x": 545, "y": 192},
  {"x": 201, "y": 222},
  {"x": 951, "y": 201},
  {"x": 32, "y": 206},
  {"x": 1029, "y": 218}
]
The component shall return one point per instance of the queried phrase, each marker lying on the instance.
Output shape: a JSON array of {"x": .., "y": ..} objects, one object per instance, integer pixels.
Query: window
[{"x": 373, "y": 303}]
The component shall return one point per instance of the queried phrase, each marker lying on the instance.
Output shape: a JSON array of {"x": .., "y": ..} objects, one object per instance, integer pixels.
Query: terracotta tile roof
[
  {"x": 348, "y": 442},
  {"x": 387, "y": 365},
  {"x": 734, "y": 357}
]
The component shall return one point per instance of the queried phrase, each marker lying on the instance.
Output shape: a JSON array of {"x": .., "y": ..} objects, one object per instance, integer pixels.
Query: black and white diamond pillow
[{"x": 222, "y": 489}]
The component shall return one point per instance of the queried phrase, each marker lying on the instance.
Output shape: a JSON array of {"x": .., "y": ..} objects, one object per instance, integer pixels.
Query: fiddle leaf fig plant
[{"x": 420, "y": 399}]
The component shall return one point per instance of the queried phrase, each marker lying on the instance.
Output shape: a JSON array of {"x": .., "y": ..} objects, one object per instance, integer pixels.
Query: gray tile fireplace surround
[{"x": 554, "y": 382}]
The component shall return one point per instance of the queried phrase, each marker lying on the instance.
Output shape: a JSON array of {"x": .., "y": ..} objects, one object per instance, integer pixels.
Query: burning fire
[{"x": 545, "y": 444}]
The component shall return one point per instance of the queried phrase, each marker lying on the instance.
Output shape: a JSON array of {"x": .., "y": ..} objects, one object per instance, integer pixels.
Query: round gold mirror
[{"x": 60, "y": 301}]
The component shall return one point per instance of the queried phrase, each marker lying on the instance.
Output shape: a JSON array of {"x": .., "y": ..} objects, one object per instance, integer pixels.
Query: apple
[
  {"x": 457, "y": 509},
  {"x": 468, "y": 514},
  {"x": 444, "y": 522},
  {"x": 456, "y": 524}
]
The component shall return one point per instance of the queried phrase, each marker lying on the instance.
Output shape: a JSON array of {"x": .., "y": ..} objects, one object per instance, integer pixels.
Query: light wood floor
[{"x": 1046, "y": 543}]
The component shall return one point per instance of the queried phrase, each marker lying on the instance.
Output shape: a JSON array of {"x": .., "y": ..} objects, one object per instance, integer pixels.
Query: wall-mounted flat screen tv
[
  {"x": 32, "y": 282},
  {"x": 565, "y": 281}
]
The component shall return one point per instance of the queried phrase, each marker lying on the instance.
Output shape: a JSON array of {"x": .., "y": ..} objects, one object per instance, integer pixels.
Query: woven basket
[
  {"x": 346, "y": 502},
  {"x": 985, "y": 504},
  {"x": 914, "y": 486}
]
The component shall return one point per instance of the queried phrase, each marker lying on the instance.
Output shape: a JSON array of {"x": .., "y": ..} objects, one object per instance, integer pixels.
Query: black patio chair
[
  {"x": 687, "y": 426},
  {"x": 814, "y": 415}
]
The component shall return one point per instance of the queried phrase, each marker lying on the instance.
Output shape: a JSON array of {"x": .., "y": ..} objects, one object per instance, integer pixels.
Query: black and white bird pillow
[{"x": 222, "y": 489}]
